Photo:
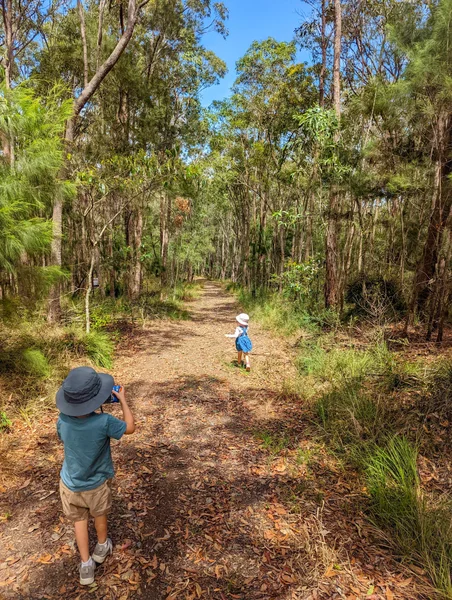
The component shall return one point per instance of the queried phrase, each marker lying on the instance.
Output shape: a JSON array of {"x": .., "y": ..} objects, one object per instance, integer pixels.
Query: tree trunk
[
  {"x": 332, "y": 234},
  {"x": 324, "y": 57},
  {"x": 441, "y": 209},
  {"x": 337, "y": 58},
  {"x": 89, "y": 288},
  {"x": 165, "y": 216},
  {"x": 135, "y": 237},
  {"x": 7, "y": 10}
]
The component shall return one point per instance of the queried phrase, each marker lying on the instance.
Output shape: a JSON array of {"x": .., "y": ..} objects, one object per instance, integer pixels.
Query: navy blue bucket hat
[{"x": 83, "y": 391}]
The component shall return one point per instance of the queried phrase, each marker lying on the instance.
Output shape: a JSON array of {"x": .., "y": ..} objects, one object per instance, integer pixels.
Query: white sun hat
[{"x": 242, "y": 319}]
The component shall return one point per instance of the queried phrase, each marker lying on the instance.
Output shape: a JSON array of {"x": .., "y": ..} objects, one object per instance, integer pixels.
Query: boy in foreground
[{"x": 88, "y": 467}]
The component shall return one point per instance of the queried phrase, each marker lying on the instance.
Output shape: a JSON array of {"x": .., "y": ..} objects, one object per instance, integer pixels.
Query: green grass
[
  {"x": 276, "y": 313},
  {"x": 34, "y": 363},
  {"x": 273, "y": 442},
  {"x": 418, "y": 526},
  {"x": 186, "y": 292},
  {"x": 96, "y": 345}
]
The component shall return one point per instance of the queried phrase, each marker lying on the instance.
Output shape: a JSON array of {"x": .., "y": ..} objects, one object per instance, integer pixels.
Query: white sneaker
[
  {"x": 102, "y": 551},
  {"x": 87, "y": 573}
]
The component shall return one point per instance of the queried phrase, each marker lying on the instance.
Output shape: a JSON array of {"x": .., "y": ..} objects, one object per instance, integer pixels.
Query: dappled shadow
[{"x": 194, "y": 490}]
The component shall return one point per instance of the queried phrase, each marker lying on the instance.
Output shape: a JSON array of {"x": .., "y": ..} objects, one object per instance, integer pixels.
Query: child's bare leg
[
  {"x": 81, "y": 536},
  {"x": 239, "y": 358},
  {"x": 100, "y": 523},
  {"x": 247, "y": 361}
]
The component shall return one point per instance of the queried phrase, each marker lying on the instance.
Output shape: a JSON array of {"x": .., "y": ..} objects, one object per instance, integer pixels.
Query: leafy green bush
[
  {"x": 34, "y": 363},
  {"x": 95, "y": 345}
]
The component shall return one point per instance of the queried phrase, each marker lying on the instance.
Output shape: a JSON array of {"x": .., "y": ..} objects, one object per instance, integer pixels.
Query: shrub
[
  {"x": 376, "y": 297},
  {"x": 95, "y": 345},
  {"x": 34, "y": 363}
]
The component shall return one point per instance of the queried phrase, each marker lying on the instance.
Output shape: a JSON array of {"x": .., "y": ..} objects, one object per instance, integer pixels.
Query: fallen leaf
[
  {"x": 389, "y": 594},
  {"x": 126, "y": 545},
  {"x": 34, "y": 527},
  {"x": 330, "y": 572}
]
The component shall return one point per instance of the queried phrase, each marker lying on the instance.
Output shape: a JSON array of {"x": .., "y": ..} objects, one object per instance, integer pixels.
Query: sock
[
  {"x": 104, "y": 545},
  {"x": 87, "y": 563}
]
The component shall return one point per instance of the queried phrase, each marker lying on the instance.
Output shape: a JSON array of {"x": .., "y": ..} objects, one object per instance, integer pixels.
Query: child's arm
[
  {"x": 235, "y": 335},
  {"x": 126, "y": 412}
]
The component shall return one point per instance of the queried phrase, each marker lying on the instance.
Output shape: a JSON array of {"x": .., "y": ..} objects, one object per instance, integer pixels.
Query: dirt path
[{"x": 222, "y": 493}]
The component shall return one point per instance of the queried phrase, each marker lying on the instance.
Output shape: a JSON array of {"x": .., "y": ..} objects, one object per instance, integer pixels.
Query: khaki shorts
[{"x": 77, "y": 506}]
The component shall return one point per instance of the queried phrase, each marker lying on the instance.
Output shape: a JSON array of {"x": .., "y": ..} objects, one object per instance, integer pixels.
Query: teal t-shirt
[{"x": 87, "y": 455}]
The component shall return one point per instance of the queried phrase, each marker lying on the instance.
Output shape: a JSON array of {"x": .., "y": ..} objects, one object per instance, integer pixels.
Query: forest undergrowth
[
  {"x": 382, "y": 407},
  {"x": 35, "y": 356}
]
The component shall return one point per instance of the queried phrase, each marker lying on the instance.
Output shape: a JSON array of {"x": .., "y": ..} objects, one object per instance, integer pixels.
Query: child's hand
[{"x": 121, "y": 395}]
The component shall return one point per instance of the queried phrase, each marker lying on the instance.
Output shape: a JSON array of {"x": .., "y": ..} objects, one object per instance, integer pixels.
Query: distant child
[
  {"x": 242, "y": 341},
  {"x": 88, "y": 468}
]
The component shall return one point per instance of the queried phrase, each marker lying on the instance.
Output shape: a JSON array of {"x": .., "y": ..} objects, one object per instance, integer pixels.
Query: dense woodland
[
  {"x": 320, "y": 191},
  {"x": 313, "y": 179}
]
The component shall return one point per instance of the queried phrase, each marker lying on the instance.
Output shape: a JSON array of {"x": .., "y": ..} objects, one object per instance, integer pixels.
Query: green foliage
[
  {"x": 96, "y": 345},
  {"x": 438, "y": 396},
  {"x": 276, "y": 312},
  {"x": 5, "y": 423},
  {"x": 186, "y": 292},
  {"x": 417, "y": 525},
  {"x": 340, "y": 367},
  {"x": 29, "y": 185},
  {"x": 298, "y": 281},
  {"x": 273, "y": 442},
  {"x": 33, "y": 362}
]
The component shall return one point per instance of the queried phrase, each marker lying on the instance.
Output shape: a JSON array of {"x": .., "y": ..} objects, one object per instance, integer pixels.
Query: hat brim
[
  {"x": 85, "y": 408},
  {"x": 240, "y": 322}
]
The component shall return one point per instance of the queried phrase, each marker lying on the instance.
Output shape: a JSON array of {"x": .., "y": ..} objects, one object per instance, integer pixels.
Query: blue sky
[{"x": 251, "y": 20}]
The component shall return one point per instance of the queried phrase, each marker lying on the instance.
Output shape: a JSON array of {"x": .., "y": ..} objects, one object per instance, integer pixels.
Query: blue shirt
[{"x": 87, "y": 455}]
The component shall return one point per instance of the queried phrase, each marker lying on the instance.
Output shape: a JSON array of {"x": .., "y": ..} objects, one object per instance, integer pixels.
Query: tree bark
[
  {"x": 165, "y": 216},
  {"x": 324, "y": 57},
  {"x": 135, "y": 238},
  {"x": 441, "y": 209},
  {"x": 81, "y": 12},
  {"x": 332, "y": 234},
  {"x": 7, "y": 10}
]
